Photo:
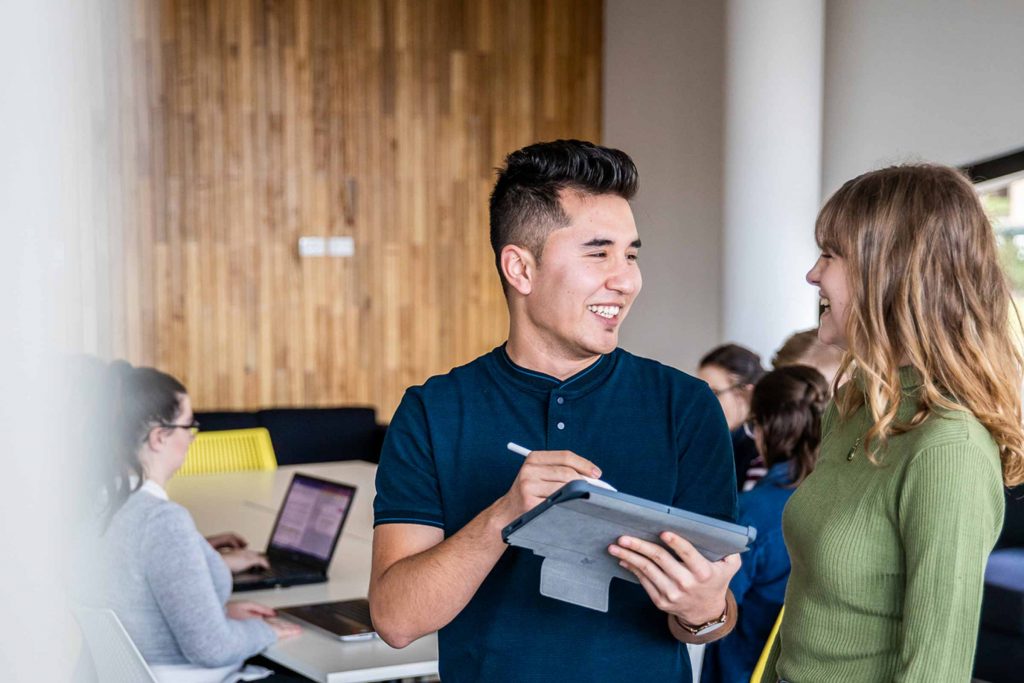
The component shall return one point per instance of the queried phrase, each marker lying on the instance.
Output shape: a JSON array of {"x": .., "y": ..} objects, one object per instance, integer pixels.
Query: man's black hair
[{"x": 525, "y": 204}]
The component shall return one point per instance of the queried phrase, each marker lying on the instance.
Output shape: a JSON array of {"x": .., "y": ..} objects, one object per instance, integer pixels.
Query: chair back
[
  {"x": 114, "y": 655},
  {"x": 232, "y": 450},
  {"x": 762, "y": 661}
]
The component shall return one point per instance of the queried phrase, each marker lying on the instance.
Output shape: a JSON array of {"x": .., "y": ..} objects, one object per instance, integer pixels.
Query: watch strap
[{"x": 709, "y": 632}]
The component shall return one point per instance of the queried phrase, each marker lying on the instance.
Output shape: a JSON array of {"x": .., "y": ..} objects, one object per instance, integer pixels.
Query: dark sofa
[
  {"x": 1000, "y": 657},
  {"x": 303, "y": 435}
]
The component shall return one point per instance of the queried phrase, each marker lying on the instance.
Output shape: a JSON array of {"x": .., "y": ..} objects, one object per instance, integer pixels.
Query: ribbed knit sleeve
[
  {"x": 180, "y": 580},
  {"x": 950, "y": 511}
]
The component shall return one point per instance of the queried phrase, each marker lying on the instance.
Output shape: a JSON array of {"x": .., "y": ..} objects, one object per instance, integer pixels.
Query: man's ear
[{"x": 519, "y": 268}]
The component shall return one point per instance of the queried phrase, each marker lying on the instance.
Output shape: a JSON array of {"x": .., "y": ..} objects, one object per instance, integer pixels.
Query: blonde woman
[{"x": 890, "y": 534}]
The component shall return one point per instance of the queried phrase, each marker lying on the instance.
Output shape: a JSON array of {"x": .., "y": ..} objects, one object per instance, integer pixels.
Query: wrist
[
  {"x": 705, "y": 632},
  {"x": 500, "y": 515},
  {"x": 695, "y": 619}
]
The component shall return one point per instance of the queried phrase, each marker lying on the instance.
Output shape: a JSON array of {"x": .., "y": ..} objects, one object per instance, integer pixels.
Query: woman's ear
[
  {"x": 519, "y": 267},
  {"x": 155, "y": 438}
]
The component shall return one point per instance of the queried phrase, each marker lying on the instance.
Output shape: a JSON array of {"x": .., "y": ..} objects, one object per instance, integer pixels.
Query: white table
[{"x": 247, "y": 503}]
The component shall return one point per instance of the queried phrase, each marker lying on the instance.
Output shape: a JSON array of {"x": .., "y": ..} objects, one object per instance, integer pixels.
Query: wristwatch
[{"x": 706, "y": 627}]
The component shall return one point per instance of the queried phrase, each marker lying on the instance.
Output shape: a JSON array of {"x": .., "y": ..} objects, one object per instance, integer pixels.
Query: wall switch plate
[
  {"x": 312, "y": 246},
  {"x": 341, "y": 246}
]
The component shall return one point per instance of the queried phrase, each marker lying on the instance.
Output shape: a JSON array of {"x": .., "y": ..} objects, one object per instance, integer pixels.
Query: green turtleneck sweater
[{"x": 889, "y": 560}]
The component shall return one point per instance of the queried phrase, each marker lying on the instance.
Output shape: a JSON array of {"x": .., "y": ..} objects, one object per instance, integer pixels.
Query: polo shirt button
[
  {"x": 560, "y": 400},
  {"x": 561, "y": 425}
]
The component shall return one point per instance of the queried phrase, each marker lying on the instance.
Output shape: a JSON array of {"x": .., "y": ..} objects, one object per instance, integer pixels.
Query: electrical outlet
[
  {"x": 312, "y": 246},
  {"x": 341, "y": 246}
]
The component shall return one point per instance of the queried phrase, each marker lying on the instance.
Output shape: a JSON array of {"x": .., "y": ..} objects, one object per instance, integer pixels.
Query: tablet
[{"x": 573, "y": 528}]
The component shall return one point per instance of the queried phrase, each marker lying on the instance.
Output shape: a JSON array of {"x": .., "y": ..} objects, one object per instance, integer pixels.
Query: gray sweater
[{"x": 169, "y": 588}]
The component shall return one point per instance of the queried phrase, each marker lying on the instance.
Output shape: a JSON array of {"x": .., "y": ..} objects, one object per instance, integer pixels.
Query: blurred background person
[
  {"x": 804, "y": 348},
  {"x": 732, "y": 371},
  {"x": 166, "y": 583},
  {"x": 785, "y": 418}
]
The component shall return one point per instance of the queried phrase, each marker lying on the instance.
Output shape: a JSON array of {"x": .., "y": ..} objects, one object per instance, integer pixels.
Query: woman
[
  {"x": 732, "y": 371},
  {"x": 166, "y": 583},
  {"x": 785, "y": 414},
  {"x": 890, "y": 534}
]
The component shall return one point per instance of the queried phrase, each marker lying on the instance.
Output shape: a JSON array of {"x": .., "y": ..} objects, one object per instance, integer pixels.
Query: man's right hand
[
  {"x": 543, "y": 473},
  {"x": 420, "y": 580}
]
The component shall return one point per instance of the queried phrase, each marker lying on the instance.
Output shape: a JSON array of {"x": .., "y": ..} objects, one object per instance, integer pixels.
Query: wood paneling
[{"x": 247, "y": 124}]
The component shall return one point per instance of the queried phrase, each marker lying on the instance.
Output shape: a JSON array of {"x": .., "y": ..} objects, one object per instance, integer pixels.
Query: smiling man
[{"x": 566, "y": 248}]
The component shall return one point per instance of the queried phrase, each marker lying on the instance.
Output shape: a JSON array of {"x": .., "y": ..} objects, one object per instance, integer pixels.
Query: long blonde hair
[{"x": 925, "y": 288}]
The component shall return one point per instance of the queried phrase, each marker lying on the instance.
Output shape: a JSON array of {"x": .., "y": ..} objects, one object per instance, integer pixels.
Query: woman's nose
[{"x": 813, "y": 277}]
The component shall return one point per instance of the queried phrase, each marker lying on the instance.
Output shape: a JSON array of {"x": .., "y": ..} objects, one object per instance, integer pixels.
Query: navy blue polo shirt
[{"x": 655, "y": 432}]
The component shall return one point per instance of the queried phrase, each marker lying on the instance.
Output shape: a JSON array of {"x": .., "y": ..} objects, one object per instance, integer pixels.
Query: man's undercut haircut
[{"x": 525, "y": 205}]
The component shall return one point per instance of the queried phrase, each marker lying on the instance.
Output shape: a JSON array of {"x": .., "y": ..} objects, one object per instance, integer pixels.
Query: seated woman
[
  {"x": 167, "y": 584},
  {"x": 786, "y": 410},
  {"x": 732, "y": 371}
]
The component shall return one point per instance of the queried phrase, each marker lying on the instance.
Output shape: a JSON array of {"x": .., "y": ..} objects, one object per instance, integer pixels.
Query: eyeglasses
[{"x": 192, "y": 426}]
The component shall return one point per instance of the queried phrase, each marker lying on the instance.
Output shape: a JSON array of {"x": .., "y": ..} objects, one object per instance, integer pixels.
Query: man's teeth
[{"x": 605, "y": 311}]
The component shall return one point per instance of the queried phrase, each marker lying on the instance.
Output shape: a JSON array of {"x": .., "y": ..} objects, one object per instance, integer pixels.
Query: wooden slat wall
[{"x": 247, "y": 124}]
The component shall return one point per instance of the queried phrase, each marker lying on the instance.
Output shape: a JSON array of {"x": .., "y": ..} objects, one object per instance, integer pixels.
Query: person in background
[
  {"x": 804, "y": 348},
  {"x": 785, "y": 418},
  {"x": 165, "y": 582},
  {"x": 732, "y": 371},
  {"x": 890, "y": 535}
]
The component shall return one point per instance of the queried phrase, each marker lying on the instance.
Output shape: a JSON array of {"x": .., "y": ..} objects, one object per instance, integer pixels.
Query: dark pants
[{"x": 281, "y": 673}]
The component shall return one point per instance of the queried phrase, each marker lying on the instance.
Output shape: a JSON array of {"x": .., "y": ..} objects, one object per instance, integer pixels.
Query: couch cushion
[
  {"x": 218, "y": 421},
  {"x": 302, "y": 435},
  {"x": 1002, "y": 607},
  {"x": 1000, "y": 657},
  {"x": 1013, "y": 526}
]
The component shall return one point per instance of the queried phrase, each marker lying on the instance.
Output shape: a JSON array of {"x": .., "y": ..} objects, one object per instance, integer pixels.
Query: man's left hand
[{"x": 685, "y": 583}]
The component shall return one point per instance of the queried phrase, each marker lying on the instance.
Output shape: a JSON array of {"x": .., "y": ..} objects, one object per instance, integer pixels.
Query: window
[{"x": 1000, "y": 185}]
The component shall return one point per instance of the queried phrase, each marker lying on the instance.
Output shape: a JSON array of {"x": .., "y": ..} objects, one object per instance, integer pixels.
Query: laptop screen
[{"x": 311, "y": 517}]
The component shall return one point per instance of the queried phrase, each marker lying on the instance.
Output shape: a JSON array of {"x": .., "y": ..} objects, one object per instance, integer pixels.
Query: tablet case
[{"x": 573, "y": 528}]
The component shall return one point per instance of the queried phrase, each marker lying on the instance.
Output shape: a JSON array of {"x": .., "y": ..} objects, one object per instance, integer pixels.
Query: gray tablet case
[{"x": 573, "y": 528}]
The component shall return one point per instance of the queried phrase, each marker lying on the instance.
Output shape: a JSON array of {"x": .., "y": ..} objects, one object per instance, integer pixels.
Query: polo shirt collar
[{"x": 582, "y": 382}]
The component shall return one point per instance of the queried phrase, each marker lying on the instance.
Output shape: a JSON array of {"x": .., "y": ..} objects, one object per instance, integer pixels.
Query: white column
[{"x": 772, "y": 188}]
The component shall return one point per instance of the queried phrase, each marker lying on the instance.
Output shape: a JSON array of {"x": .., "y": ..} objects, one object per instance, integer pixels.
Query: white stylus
[{"x": 516, "y": 448}]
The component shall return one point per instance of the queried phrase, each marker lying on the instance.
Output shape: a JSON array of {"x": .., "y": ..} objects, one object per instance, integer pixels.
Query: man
[{"x": 566, "y": 249}]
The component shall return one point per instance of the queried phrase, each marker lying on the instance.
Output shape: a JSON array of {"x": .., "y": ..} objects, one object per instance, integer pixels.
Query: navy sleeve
[
  {"x": 707, "y": 472},
  {"x": 752, "y": 559},
  {"x": 407, "y": 487}
]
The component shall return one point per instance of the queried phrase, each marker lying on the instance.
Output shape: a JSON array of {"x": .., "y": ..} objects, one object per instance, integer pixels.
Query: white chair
[{"x": 114, "y": 655}]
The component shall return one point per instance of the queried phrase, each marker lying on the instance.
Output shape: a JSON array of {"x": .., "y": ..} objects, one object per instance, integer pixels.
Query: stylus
[{"x": 525, "y": 452}]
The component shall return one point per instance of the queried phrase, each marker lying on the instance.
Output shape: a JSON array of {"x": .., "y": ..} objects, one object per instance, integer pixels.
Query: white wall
[
  {"x": 936, "y": 80},
  {"x": 45, "y": 183},
  {"x": 663, "y": 104}
]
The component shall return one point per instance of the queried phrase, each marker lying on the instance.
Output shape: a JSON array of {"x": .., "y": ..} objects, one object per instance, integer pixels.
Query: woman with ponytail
[
  {"x": 785, "y": 419},
  {"x": 890, "y": 535},
  {"x": 167, "y": 584}
]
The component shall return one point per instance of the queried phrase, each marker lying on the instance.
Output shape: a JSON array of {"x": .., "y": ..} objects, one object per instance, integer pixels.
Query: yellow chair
[
  {"x": 762, "y": 661},
  {"x": 231, "y": 450}
]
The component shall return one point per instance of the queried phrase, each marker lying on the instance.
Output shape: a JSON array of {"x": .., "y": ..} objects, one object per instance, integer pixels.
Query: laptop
[
  {"x": 305, "y": 534},
  {"x": 345, "y": 620}
]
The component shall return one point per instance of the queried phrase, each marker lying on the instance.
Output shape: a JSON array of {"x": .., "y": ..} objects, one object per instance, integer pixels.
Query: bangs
[{"x": 831, "y": 231}]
